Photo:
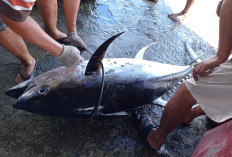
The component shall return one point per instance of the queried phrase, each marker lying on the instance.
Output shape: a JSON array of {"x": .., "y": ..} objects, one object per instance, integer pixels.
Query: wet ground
[{"x": 24, "y": 134}]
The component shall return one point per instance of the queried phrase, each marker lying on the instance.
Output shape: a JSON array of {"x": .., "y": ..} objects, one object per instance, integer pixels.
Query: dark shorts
[{"x": 2, "y": 25}]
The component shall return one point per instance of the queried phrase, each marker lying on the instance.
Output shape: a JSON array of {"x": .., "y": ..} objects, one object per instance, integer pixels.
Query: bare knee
[
  {"x": 182, "y": 98},
  {"x": 183, "y": 87},
  {"x": 185, "y": 94}
]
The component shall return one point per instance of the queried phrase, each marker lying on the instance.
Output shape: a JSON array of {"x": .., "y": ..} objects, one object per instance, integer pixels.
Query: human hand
[
  {"x": 203, "y": 68},
  {"x": 70, "y": 56}
]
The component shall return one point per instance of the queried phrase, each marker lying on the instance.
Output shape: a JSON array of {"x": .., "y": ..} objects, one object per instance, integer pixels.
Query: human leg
[
  {"x": 181, "y": 15},
  {"x": 48, "y": 11},
  {"x": 15, "y": 45},
  {"x": 175, "y": 112},
  {"x": 17, "y": 18},
  {"x": 32, "y": 32},
  {"x": 71, "y": 8},
  {"x": 195, "y": 112},
  {"x": 182, "y": 101}
]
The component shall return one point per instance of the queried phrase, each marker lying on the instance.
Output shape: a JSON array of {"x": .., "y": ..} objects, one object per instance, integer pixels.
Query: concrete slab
[{"x": 24, "y": 134}]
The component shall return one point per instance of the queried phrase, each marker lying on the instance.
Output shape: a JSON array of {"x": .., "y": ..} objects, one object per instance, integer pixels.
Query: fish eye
[{"x": 43, "y": 90}]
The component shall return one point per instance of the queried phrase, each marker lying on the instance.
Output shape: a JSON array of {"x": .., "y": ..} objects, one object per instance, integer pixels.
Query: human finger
[
  {"x": 195, "y": 74},
  {"x": 196, "y": 64},
  {"x": 197, "y": 71},
  {"x": 204, "y": 70}
]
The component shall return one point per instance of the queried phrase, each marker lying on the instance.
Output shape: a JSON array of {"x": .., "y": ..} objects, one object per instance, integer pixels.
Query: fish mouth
[
  {"x": 21, "y": 103},
  {"x": 18, "y": 104},
  {"x": 30, "y": 96},
  {"x": 18, "y": 90},
  {"x": 20, "y": 93}
]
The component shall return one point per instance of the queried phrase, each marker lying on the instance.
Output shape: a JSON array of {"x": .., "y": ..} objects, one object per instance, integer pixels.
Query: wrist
[
  {"x": 58, "y": 51},
  {"x": 220, "y": 59},
  {"x": 217, "y": 60}
]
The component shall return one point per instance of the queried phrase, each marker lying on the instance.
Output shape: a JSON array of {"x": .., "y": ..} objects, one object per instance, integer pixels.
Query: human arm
[
  {"x": 30, "y": 30},
  {"x": 224, "y": 44}
]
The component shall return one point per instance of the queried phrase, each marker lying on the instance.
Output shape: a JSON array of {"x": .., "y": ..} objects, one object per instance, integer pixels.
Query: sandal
[
  {"x": 142, "y": 124},
  {"x": 62, "y": 41},
  {"x": 31, "y": 75}
]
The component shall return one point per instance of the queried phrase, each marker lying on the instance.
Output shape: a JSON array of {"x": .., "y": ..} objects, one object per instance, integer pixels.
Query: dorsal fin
[
  {"x": 98, "y": 55},
  {"x": 141, "y": 52}
]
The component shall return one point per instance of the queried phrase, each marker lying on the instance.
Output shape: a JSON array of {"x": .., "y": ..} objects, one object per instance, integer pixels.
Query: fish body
[
  {"x": 128, "y": 84},
  {"x": 89, "y": 90}
]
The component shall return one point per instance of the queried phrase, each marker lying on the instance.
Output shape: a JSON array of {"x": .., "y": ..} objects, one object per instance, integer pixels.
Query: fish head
[
  {"x": 52, "y": 93},
  {"x": 46, "y": 93}
]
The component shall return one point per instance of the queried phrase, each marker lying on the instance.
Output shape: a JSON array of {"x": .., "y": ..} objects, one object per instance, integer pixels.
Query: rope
[
  {"x": 100, "y": 96},
  {"x": 102, "y": 87}
]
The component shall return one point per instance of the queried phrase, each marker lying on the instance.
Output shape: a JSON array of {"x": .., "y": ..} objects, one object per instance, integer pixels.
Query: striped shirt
[{"x": 16, "y": 10}]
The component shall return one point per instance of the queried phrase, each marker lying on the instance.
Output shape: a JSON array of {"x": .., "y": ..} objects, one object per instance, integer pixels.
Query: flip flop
[
  {"x": 31, "y": 75},
  {"x": 142, "y": 120},
  {"x": 62, "y": 41}
]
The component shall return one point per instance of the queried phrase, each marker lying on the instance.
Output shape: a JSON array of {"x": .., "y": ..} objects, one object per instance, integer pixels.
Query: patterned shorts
[{"x": 16, "y": 10}]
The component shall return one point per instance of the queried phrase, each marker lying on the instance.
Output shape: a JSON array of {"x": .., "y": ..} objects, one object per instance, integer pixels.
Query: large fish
[{"x": 86, "y": 91}]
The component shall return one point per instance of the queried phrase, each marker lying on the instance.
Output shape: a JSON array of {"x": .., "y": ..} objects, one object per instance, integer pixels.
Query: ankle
[
  {"x": 71, "y": 29},
  {"x": 69, "y": 34},
  {"x": 183, "y": 13},
  {"x": 155, "y": 139},
  {"x": 50, "y": 32},
  {"x": 54, "y": 33},
  {"x": 28, "y": 62}
]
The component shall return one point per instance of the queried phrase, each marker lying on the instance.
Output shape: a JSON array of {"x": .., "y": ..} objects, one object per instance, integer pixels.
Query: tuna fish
[{"x": 88, "y": 90}]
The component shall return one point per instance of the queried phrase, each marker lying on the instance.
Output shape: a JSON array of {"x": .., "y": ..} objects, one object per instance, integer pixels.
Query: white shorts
[{"x": 214, "y": 92}]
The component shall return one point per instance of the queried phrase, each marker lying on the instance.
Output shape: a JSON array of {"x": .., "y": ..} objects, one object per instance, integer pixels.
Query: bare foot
[
  {"x": 57, "y": 35},
  {"x": 151, "y": 136},
  {"x": 154, "y": 1},
  {"x": 26, "y": 70},
  {"x": 177, "y": 17},
  {"x": 153, "y": 141}
]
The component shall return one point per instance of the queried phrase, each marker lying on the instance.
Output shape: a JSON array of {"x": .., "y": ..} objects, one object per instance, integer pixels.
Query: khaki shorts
[{"x": 214, "y": 92}]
